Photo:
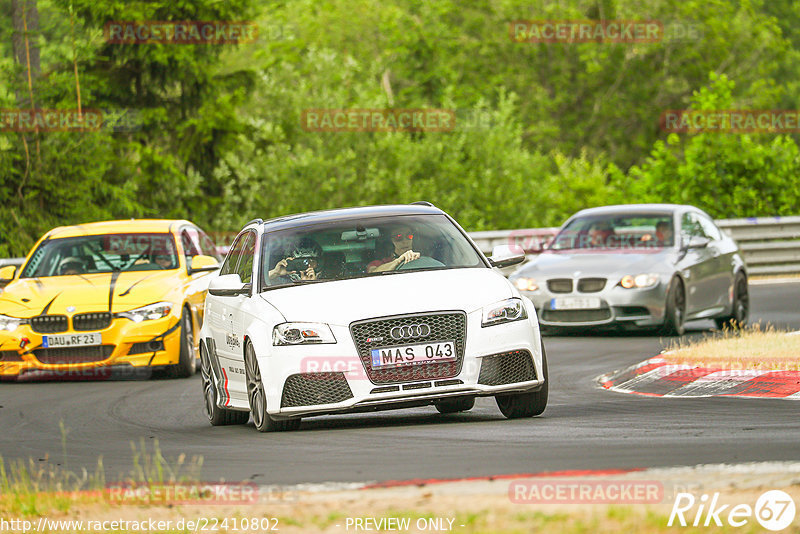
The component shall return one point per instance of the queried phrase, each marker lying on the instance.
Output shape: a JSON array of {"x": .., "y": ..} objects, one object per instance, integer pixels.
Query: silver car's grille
[
  {"x": 591, "y": 285},
  {"x": 374, "y": 334},
  {"x": 49, "y": 324},
  {"x": 576, "y": 316},
  {"x": 560, "y": 285},
  {"x": 308, "y": 389},
  {"x": 507, "y": 368}
]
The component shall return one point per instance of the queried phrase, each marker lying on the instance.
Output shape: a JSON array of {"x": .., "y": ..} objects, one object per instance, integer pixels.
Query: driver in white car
[{"x": 402, "y": 239}]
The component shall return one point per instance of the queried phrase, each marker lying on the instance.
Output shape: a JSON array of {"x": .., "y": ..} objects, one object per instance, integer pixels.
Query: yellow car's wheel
[{"x": 187, "y": 361}]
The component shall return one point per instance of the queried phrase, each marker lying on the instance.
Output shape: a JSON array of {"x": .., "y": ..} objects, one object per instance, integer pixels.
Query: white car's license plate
[
  {"x": 419, "y": 354},
  {"x": 575, "y": 303},
  {"x": 87, "y": 339}
]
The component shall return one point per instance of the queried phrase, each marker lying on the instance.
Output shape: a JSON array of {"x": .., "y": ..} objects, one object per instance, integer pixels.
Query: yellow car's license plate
[{"x": 88, "y": 339}]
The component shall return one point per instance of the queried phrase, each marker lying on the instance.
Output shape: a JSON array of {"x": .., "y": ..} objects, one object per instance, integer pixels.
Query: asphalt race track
[{"x": 583, "y": 428}]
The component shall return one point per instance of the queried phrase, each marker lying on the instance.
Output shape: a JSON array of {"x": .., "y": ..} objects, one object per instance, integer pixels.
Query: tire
[
  {"x": 187, "y": 361},
  {"x": 257, "y": 398},
  {"x": 454, "y": 405},
  {"x": 520, "y": 405},
  {"x": 216, "y": 416},
  {"x": 741, "y": 306},
  {"x": 675, "y": 310}
]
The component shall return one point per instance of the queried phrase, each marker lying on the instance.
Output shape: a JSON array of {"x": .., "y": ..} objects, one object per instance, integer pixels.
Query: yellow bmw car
[{"x": 106, "y": 296}]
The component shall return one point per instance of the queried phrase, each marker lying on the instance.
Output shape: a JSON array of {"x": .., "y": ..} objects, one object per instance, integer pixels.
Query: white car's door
[{"x": 237, "y": 381}]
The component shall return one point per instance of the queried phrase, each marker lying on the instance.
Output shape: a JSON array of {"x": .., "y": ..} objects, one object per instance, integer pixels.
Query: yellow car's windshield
[{"x": 102, "y": 254}]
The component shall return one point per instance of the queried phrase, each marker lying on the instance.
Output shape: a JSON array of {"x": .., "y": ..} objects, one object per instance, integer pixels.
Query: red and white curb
[{"x": 661, "y": 377}]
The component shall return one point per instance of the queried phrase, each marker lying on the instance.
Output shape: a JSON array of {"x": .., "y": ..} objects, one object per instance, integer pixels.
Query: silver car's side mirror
[
  {"x": 696, "y": 241},
  {"x": 228, "y": 285},
  {"x": 506, "y": 255}
]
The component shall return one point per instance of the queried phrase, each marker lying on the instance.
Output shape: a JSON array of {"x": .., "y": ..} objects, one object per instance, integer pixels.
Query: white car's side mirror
[
  {"x": 228, "y": 285},
  {"x": 506, "y": 255}
]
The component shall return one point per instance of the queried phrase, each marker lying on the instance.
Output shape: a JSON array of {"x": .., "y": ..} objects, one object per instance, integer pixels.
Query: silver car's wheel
[
  {"x": 675, "y": 310},
  {"x": 741, "y": 306}
]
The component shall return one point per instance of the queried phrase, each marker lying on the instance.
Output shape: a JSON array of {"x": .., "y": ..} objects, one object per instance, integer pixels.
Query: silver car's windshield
[
  {"x": 102, "y": 254},
  {"x": 364, "y": 247},
  {"x": 617, "y": 232}
]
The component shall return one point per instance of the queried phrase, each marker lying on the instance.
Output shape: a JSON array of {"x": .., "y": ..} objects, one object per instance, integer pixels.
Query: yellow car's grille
[
  {"x": 91, "y": 321},
  {"x": 74, "y": 354},
  {"x": 49, "y": 324}
]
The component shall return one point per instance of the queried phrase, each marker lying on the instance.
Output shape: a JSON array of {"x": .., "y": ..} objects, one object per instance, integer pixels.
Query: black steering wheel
[{"x": 423, "y": 262}]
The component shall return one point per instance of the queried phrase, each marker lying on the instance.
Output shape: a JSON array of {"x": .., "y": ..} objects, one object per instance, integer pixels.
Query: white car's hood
[{"x": 344, "y": 301}]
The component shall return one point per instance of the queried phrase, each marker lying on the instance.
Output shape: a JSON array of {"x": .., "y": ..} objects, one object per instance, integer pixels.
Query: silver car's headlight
[
  {"x": 526, "y": 284},
  {"x": 302, "y": 334},
  {"x": 11, "y": 323},
  {"x": 630, "y": 281},
  {"x": 504, "y": 311},
  {"x": 147, "y": 313}
]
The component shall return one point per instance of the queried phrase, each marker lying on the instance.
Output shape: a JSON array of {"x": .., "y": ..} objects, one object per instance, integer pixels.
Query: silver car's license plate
[
  {"x": 419, "y": 354},
  {"x": 575, "y": 303},
  {"x": 88, "y": 339}
]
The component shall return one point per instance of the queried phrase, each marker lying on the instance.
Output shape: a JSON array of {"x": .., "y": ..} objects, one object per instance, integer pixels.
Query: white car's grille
[{"x": 443, "y": 326}]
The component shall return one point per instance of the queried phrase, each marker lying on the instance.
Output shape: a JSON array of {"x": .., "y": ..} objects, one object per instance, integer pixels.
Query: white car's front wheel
[
  {"x": 258, "y": 399},
  {"x": 519, "y": 405}
]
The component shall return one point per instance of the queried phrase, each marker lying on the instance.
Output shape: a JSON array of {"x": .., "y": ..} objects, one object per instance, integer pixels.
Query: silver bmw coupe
[{"x": 653, "y": 266}]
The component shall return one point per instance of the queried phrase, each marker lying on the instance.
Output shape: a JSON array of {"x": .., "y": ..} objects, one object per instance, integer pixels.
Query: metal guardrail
[{"x": 770, "y": 245}]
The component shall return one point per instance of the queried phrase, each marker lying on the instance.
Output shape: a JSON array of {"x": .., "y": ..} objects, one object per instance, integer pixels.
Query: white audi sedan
[{"x": 365, "y": 309}]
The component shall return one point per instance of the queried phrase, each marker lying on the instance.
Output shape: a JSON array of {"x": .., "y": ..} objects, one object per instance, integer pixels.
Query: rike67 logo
[{"x": 774, "y": 510}]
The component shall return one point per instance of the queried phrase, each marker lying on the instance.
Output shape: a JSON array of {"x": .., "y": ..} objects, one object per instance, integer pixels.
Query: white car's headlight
[
  {"x": 504, "y": 311},
  {"x": 302, "y": 333},
  {"x": 147, "y": 313},
  {"x": 526, "y": 284},
  {"x": 11, "y": 323},
  {"x": 630, "y": 281}
]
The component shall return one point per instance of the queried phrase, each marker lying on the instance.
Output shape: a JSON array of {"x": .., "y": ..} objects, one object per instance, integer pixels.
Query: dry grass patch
[{"x": 754, "y": 348}]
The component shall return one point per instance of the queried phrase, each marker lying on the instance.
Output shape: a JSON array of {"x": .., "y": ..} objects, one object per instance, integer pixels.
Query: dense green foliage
[{"x": 566, "y": 125}]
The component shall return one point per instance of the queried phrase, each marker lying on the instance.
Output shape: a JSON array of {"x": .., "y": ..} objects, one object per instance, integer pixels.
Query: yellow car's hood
[{"x": 113, "y": 292}]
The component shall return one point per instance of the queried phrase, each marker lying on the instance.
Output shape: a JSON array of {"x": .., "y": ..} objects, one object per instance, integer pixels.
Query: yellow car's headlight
[
  {"x": 10, "y": 323},
  {"x": 147, "y": 313}
]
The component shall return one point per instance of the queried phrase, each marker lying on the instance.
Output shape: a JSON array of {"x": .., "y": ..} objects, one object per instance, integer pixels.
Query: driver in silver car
[{"x": 402, "y": 239}]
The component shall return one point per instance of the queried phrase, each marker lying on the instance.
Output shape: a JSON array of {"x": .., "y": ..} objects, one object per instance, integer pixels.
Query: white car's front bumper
[{"x": 333, "y": 378}]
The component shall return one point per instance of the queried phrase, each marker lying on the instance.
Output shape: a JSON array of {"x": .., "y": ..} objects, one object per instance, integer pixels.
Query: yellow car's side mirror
[
  {"x": 7, "y": 273},
  {"x": 201, "y": 263}
]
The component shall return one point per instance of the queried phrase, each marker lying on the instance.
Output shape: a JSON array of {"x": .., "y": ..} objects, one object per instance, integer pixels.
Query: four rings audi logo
[{"x": 409, "y": 331}]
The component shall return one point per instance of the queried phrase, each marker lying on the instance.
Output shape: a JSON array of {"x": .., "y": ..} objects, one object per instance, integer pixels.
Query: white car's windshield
[
  {"x": 364, "y": 247},
  {"x": 616, "y": 232},
  {"x": 101, "y": 254}
]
